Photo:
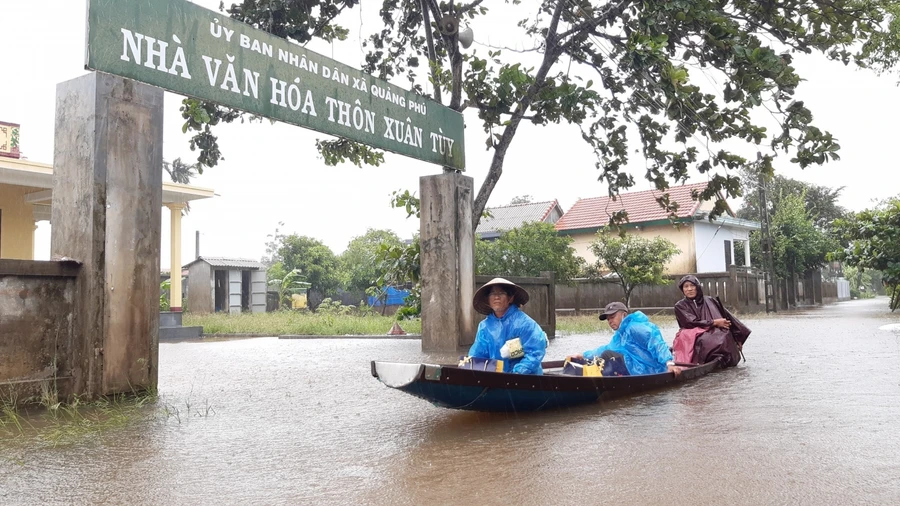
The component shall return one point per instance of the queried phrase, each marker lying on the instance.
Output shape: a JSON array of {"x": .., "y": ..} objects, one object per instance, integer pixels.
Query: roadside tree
[
  {"x": 317, "y": 263},
  {"x": 820, "y": 201},
  {"x": 630, "y": 261},
  {"x": 872, "y": 239},
  {"x": 623, "y": 72},
  {"x": 527, "y": 251},
  {"x": 358, "y": 261},
  {"x": 798, "y": 245}
]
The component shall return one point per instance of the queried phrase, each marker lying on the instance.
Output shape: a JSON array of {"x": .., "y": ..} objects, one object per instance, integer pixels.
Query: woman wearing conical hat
[{"x": 507, "y": 333}]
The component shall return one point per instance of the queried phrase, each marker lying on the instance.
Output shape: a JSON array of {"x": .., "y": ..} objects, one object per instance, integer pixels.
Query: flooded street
[{"x": 812, "y": 417}]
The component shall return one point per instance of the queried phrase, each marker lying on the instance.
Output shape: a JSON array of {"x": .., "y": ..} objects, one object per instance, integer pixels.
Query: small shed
[{"x": 217, "y": 284}]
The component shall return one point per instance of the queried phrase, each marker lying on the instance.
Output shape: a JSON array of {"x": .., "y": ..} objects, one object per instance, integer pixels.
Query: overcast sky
[{"x": 272, "y": 173}]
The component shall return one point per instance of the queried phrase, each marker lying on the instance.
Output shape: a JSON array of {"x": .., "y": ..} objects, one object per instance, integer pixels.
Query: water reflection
[{"x": 810, "y": 419}]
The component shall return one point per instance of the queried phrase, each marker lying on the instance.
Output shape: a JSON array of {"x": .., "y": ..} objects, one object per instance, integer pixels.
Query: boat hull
[{"x": 452, "y": 387}]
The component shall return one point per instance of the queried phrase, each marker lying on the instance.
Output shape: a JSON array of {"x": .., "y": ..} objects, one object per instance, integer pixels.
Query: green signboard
[{"x": 193, "y": 51}]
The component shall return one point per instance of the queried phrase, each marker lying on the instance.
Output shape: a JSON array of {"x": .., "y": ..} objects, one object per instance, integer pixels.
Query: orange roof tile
[{"x": 641, "y": 207}]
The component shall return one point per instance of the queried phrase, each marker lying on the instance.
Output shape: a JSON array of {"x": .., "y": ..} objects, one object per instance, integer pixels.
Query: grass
[
  {"x": 59, "y": 423},
  {"x": 317, "y": 324},
  {"x": 279, "y": 323}
]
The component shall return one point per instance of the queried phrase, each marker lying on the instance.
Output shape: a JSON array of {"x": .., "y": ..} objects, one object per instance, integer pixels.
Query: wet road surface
[{"x": 812, "y": 417}]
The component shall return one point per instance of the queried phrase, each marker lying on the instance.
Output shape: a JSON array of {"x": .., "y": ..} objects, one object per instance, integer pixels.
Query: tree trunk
[{"x": 551, "y": 53}]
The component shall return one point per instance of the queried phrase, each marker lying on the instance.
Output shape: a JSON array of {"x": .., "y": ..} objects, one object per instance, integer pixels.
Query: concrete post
[
  {"x": 107, "y": 200},
  {"x": 175, "y": 255},
  {"x": 747, "y": 253},
  {"x": 447, "y": 259}
]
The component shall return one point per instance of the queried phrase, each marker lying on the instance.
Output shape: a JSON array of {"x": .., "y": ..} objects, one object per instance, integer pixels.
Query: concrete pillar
[
  {"x": 175, "y": 254},
  {"x": 447, "y": 259},
  {"x": 747, "y": 253},
  {"x": 106, "y": 213}
]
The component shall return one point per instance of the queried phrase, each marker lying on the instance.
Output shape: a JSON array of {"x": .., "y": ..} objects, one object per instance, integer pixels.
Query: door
[
  {"x": 728, "y": 261},
  {"x": 234, "y": 292},
  {"x": 221, "y": 290},
  {"x": 258, "y": 291}
]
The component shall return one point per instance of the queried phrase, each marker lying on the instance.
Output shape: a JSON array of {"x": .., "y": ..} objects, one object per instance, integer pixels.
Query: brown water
[{"x": 813, "y": 417}]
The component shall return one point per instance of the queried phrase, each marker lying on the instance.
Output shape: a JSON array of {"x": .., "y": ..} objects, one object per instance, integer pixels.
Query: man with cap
[
  {"x": 507, "y": 333},
  {"x": 637, "y": 339}
]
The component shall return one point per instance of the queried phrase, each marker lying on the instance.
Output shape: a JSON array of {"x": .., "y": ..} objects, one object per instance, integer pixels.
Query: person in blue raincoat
[
  {"x": 500, "y": 300},
  {"x": 637, "y": 339}
]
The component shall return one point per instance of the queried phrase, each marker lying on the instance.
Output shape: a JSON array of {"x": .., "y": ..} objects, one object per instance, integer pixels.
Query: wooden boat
[{"x": 453, "y": 387}]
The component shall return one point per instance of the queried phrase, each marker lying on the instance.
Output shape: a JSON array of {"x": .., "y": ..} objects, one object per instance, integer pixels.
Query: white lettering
[
  {"x": 156, "y": 54},
  {"x": 251, "y": 83},
  {"x": 213, "y": 75},
  {"x": 277, "y": 91},
  {"x": 309, "y": 107},
  {"x": 133, "y": 41}
]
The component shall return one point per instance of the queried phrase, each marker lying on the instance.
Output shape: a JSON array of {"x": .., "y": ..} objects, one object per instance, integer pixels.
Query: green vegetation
[
  {"x": 56, "y": 423},
  {"x": 321, "y": 323},
  {"x": 871, "y": 240},
  {"x": 527, "y": 251},
  {"x": 629, "y": 260},
  {"x": 626, "y": 75}
]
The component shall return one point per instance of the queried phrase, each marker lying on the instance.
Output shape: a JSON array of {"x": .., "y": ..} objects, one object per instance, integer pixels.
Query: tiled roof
[
  {"x": 230, "y": 263},
  {"x": 513, "y": 216},
  {"x": 641, "y": 207}
]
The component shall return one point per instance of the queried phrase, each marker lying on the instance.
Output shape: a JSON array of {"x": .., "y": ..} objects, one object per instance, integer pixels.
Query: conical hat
[{"x": 480, "y": 300}]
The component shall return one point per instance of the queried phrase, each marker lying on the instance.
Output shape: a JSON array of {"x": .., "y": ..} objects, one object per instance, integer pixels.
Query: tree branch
[{"x": 550, "y": 55}]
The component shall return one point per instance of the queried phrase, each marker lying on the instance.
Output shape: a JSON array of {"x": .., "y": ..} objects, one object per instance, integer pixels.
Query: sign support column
[
  {"x": 447, "y": 257},
  {"x": 106, "y": 213}
]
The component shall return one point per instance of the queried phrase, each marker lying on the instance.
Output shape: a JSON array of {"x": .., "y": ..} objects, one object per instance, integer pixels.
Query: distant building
[
  {"x": 506, "y": 218},
  {"x": 706, "y": 246},
  {"x": 218, "y": 284}
]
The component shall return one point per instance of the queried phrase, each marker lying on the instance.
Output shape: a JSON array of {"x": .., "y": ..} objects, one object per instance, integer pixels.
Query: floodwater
[{"x": 812, "y": 417}]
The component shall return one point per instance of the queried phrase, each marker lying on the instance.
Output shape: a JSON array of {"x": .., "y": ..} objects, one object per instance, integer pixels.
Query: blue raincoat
[
  {"x": 642, "y": 344},
  {"x": 493, "y": 333}
]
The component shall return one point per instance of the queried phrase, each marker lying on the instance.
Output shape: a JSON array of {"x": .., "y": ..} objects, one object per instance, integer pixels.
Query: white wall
[{"x": 710, "y": 242}]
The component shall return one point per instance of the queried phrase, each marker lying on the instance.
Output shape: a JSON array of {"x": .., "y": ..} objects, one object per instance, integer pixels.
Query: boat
[{"x": 454, "y": 387}]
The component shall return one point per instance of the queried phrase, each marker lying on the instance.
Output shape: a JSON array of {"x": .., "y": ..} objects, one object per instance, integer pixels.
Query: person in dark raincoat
[
  {"x": 500, "y": 299},
  {"x": 716, "y": 333}
]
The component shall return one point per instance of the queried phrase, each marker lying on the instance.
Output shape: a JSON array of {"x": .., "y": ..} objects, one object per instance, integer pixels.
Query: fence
[
  {"x": 740, "y": 289},
  {"x": 542, "y": 298}
]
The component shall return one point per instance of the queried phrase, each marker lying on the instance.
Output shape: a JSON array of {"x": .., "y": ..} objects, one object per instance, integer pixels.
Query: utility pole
[{"x": 765, "y": 242}]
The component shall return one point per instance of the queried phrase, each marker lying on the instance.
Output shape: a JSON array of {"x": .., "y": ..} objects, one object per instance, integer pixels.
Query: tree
[
  {"x": 400, "y": 266},
  {"x": 179, "y": 171},
  {"x": 315, "y": 260},
  {"x": 358, "y": 261},
  {"x": 820, "y": 201},
  {"x": 797, "y": 244},
  {"x": 527, "y": 251},
  {"x": 620, "y": 70},
  {"x": 872, "y": 241},
  {"x": 521, "y": 199},
  {"x": 631, "y": 260},
  {"x": 287, "y": 285}
]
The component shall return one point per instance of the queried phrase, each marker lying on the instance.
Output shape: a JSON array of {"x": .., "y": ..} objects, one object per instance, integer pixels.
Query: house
[
  {"x": 226, "y": 284},
  {"x": 26, "y": 192},
  {"x": 505, "y": 218},
  {"x": 706, "y": 246}
]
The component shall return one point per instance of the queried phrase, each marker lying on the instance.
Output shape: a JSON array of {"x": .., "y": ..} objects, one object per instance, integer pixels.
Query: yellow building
[
  {"x": 706, "y": 246},
  {"x": 26, "y": 195}
]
